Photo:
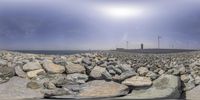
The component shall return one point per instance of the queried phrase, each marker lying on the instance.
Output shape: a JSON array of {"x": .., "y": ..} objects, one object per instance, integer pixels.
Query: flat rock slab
[
  {"x": 101, "y": 88},
  {"x": 138, "y": 81},
  {"x": 165, "y": 87},
  {"x": 193, "y": 94},
  {"x": 15, "y": 88}
]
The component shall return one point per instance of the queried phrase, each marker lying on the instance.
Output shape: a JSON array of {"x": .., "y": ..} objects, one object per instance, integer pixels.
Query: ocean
[{"x": 54, "y": 52}]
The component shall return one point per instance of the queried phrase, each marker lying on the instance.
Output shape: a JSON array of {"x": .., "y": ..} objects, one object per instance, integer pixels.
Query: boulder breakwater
[{"x": 106, "y": 74}]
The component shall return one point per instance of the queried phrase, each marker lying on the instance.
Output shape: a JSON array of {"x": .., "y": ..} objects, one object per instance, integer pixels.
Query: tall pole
[
  {"x": 159, "y": 42},
  {"x": 126, "y": 44}
]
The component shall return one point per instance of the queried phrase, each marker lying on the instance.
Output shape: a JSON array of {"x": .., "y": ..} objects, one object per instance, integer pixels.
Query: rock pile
[{"x": 100, "y": 74}]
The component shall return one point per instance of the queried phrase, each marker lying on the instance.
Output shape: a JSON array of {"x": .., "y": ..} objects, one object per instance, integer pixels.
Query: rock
[
  {"x": 190, "y": 84},
  {"x": 138, "y": 81},
  {"x": 3, "y": 62},
  {"x": 125, "y": 67},
  {"x": 142, "y": 71},
  {"x": 87, "y": 61},
  {"x": 74, "y": 68},
  {"x": 185, "y": 78},
  {"x": 76, "y": 78},
  {"x": 124, "y": 76},
  {"x": 182, "y": 70},
  {"x": 33, "y": 85},
  {"x": 97, "y": 72},
  {"x": 60, "y": 60},
  {"x": 115, "y": 68},
  {"x": 197, "y": 80},
  {"x": 35, "y": 73},
  {"x": 106, "y": 75},
  {"x": 30, "y": 66},
  {"x": 16, "y": 89},
  {"x": 161, "y": 72},
  {"x": 165, "y": 87},
  {"x": 101, "y": 88},
  {"x": 57, "y": 79},
  {"x": 52, "y": 68},
  {"x": 6, "y": 73},
  {"x": 193, "y": 94},
  {"x": 49, "y": 85},
  {"x": 112, "y": 72},
  {"x": 19, "y": 71},
  {"x": 55, "y": 92},
  {"x": 152, "y": 75}
]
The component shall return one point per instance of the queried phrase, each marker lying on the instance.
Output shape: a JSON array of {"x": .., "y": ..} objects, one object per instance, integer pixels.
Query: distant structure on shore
[{"x": 142, "y": 46}]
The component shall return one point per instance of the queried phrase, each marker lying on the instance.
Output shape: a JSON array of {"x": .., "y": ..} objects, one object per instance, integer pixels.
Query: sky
[{"x": 99, "y": 24}]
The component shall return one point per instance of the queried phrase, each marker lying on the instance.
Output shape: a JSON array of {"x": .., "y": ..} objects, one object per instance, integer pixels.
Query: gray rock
[
  {"x": 76, "y": 78},
  {"x": 6, "y": 73},
  {"x": 115, "y": 68},
  {"x": 52, "y": 68},
  {"x": 193, "y": 94},
  {"x": 54, "y": 92},
  {"x": 19, "y": 71},
  {"x": 197, "y": 80},
  {"x": 152, "y": 75},
  {"x": 101, "y": 88},
  {"x": 185, "y": 78},
  {"x": 124, "y": 76},
  {"x": 16, "y": 89},
  {"x": 142, "y": 71},
  {"x": 74, "y": 68},
  {"x": 97, "y": 72},
  {"x": 3, "y": 62},
  {"x": 138, "y": 81},
  {"x": 106, "y": 75},
  {"x": 86, "y": 61},
  {"x": 30, "y": 66},
  {"x": 125, "y": 67},
  {"x": 165, "y": 87},
  {"x": 49, "y": 85},
  {"x": 60, "y": 60},
  {"x": 33, "y": 85}
]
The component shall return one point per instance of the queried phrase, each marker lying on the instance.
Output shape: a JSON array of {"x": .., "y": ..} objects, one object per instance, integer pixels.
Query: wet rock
[
  {"x": 30, "y": 66},
  {"x": 74, "y": 68},
  {"x": 138, "y": 81},
  {"x": 101, "y": 88},
  {"x": 52, "y": 68}
]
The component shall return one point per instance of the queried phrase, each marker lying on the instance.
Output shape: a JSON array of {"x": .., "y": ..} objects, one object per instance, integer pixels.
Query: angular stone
[
  {"x": 33, "y": 85},
  {"x": 16, "y": 88},
  {"x": 193, "y": 94},
  {"x": 142, "y": 71},
  {"x": 54, "y": 92},
  {"x": 124, "y": 75},
  {"x": 101, "y": 88},
  {"x": 6, "y": 73},
  {"x": 76, "y": 78},
  {"x": 30, "y": 66},
  {"x": 138, "y": 81},
  {"x": 19, "y": 71},
  {"x": 52, "y": 68},
  {"x": 75, "y": 68},
  {"x": 185, "y": 78},
  {"x": 152, "y": 75},
  {"x": 97, "y": 72},
  {"x": 165, "y": 87},
  {"x": 35, "y": 73}
]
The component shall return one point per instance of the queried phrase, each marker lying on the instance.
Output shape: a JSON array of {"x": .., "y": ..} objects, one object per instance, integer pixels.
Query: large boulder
[
  {"x": 193, "y": 94},
  {"x": 142, "y": 71},
  {"x": 138, "y": 81},
  {"x": 101, "y": 88},
  {"x": 30, "y": 66},
  {"x": 19, "y": 71},
  {"x": 165, "y": 87},
  {"x": 6, "y": 73},
  {"x": 52, "y": 68},
  {"x": 97, "y": 72},
  {"x": 74, "y": 68},
  {"x": 16, "y": 89}
]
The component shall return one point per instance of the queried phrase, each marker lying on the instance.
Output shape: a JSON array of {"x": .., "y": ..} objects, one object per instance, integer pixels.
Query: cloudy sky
[{"x": 98, "y": 24}]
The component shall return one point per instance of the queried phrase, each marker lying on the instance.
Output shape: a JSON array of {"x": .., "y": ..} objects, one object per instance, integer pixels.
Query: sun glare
[{"x": 121, "y": 12}]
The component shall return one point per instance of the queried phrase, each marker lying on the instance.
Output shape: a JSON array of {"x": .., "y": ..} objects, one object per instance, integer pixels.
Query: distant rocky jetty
[{"x": 100, "y": 74}]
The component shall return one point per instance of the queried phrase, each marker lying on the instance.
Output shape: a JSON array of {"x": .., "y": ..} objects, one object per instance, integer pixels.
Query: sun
[{"x": 121, "y": 11}]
